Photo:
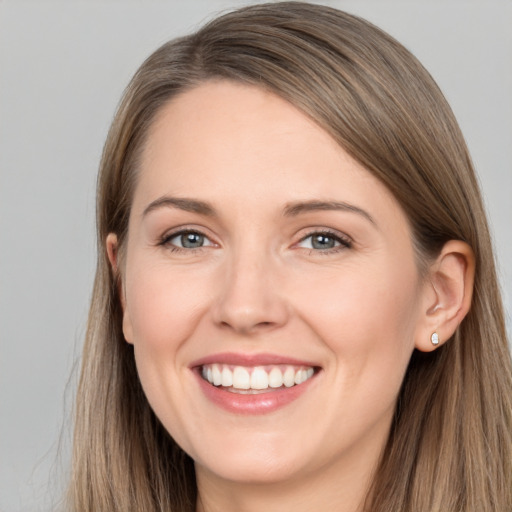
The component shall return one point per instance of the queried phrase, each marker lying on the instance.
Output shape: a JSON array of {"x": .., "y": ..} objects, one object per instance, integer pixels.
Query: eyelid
[
  {"x": 180, "y": 235},
  {"x": 344, "y": 241},
  {"x": 165, "y": 239}
]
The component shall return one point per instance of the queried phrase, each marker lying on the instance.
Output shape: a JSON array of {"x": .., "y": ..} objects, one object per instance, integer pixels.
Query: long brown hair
[{"x": 450, "y": 446}]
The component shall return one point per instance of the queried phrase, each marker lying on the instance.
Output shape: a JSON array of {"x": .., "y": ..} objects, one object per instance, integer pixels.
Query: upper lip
[{"x": 264, "y": 359}]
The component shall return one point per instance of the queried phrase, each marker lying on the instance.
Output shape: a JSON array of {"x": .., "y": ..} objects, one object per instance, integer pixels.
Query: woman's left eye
[
  {"x": 187, "y": 240},
  {"x": 323, "y": 241}
]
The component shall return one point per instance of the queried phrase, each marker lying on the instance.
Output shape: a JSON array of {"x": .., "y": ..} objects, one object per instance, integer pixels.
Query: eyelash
[
  {"x": 166, "y": 241},
  {"x": 343, "y": 241}
]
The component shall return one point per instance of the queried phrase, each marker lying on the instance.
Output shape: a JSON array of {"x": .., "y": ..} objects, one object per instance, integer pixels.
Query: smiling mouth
[{"x": 255, "y": 379}]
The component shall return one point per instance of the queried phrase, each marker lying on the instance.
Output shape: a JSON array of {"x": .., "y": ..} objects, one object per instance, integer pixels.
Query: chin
[
  {"x": 249, "y": 460},
  {"x": 244, "y": 469}
]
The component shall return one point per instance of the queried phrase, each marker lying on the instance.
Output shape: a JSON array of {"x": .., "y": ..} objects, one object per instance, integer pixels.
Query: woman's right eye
[{"x": 187, "y": 240}]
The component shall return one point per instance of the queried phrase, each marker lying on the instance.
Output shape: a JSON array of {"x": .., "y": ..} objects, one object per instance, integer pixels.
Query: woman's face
[{"x": 270, "y": 289}]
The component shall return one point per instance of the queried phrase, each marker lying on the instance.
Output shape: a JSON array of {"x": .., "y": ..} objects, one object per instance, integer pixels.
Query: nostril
[{"x": 259, "y": 325}]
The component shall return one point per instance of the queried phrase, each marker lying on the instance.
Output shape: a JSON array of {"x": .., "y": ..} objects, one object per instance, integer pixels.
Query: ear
[
  {"x": 447, "y": 294},
  {"x": 112, "y": 246}
]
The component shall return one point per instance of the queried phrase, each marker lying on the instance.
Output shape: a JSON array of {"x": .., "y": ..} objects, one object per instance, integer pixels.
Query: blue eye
[
  {"x": 188, "y": 240},
  {"x": 323, "y": 241}
]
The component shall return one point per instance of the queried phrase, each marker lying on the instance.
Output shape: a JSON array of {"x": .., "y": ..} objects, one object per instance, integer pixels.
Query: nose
[{"x": 250, "y": 299}]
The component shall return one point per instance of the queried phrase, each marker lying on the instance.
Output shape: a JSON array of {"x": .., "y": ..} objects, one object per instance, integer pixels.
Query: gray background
[{"x": 63, "y": 66}]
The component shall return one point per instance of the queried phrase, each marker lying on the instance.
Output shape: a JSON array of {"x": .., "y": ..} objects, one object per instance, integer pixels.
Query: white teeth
[
  {"x": 227, "y": 377},
  {"x": 303, "y": 375},
  {"x": 241, "y": 378},
  {"x": 255, "y": 378},
  {"x": 259, "y": 379},
  {"x": 289, "y": 377},
  {"x": 217, "y": 375},
  {"x": 275, "y": 378}
]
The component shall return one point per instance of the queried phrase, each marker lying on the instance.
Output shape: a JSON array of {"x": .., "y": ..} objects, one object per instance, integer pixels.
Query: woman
[{"x": 296, "y": 303}]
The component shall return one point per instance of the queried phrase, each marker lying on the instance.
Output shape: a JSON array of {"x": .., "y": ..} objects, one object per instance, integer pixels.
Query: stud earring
[{"x": 434, "y": 338}]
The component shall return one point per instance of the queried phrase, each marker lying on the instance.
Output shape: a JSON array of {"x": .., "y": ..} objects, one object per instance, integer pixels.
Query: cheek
[
  {"x": 163, "y": 305},
  {"x": 366, "y": 316},
  {"x": 367, "y": 321}
]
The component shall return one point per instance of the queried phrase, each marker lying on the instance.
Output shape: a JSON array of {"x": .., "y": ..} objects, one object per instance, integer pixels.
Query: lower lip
[{"x": 260, "y": 403}]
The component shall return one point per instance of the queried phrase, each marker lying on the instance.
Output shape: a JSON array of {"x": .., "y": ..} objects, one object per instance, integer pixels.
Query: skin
[{"x": 259, "y": 286}]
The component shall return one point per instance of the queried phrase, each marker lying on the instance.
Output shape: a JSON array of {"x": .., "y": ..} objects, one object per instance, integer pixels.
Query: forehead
[
  {"x": 229, "y": 120},
  {"x": 238, "y": 144}
]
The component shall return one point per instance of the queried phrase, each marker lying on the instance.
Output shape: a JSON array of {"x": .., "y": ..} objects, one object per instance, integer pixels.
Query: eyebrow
[
  {"x": 291, "y": 209},
  {"x": 188, "y": 205},
  {"x": 294, "y": 209}
]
